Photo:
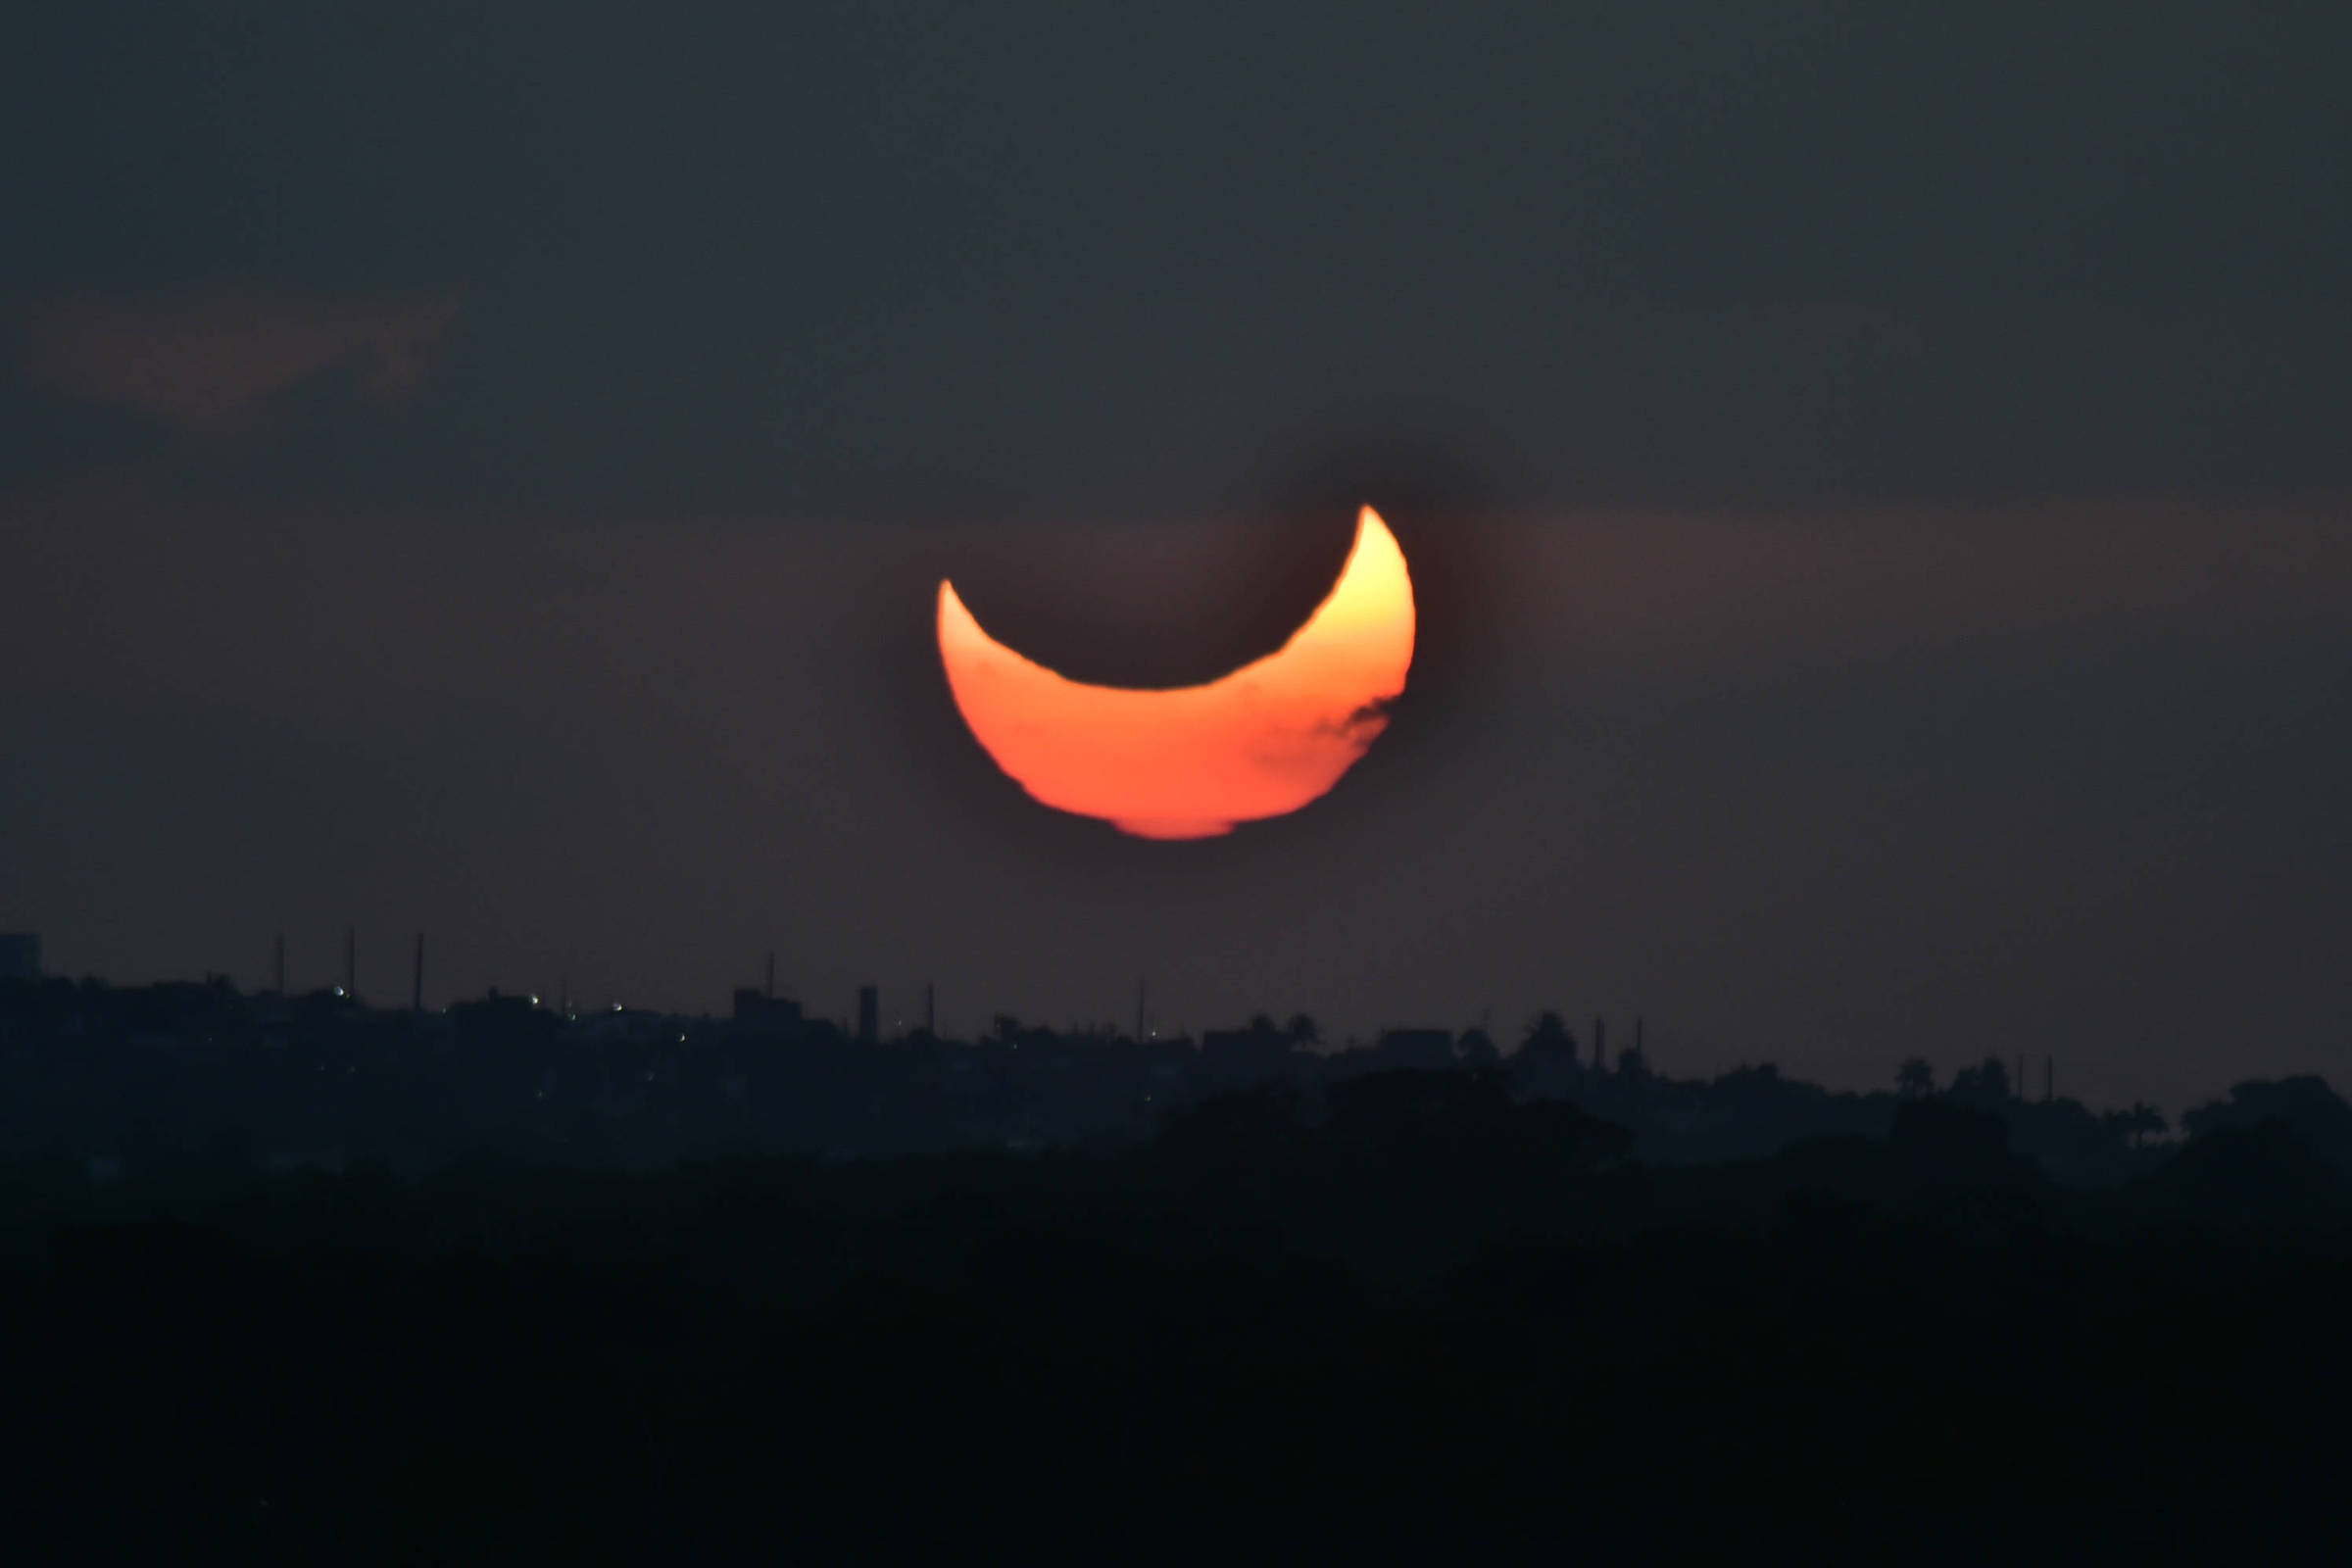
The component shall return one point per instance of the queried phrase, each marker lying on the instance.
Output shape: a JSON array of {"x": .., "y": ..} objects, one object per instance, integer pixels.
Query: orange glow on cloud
[{"x": 1191, "y": 763}]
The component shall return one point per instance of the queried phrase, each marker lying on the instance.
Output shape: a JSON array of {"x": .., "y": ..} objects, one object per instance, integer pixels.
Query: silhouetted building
[
  {"x": 869, "y": 1015},
  {"x": 1244, "y": 1051},
  {"x": 19, "y": 955},
  {"x": 755, "y": 1009}
]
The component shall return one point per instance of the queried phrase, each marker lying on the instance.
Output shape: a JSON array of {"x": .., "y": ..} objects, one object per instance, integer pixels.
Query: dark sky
[{"x": 1876, "y": 477}]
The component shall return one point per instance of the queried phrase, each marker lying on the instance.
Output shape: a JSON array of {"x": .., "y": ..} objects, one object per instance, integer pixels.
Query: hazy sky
[{"x": 1876, "y": 477}]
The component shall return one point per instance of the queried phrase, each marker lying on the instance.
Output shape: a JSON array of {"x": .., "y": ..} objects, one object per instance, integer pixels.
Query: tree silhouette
[
  {"x": 2317, "y": 1116},
  {"x": 1915, "y": 1078},
  {"x": 1549, "y": 1035},
  {"x": 2138, "y": 1123},
  {"x": 1986, "y": 1084},
  {"x": 1302, "y": 1030}
]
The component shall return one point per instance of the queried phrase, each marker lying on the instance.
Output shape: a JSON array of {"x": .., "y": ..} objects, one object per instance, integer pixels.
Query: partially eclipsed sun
[{"x": 1191, "y": 763}]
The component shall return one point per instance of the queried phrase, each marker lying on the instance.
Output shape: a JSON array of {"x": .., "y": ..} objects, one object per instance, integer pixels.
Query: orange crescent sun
[{"x": 1190, "y": 762}]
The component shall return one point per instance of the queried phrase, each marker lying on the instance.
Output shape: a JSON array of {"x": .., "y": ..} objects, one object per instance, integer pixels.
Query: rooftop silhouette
[{"x": 280, "y": 1269}]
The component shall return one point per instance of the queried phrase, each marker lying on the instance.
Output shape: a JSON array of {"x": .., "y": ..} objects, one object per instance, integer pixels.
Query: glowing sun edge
[{"x": 1190, "y": 762}]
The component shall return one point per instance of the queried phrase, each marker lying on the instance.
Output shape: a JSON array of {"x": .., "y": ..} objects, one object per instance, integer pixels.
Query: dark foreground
[{"x": 1460, "y": 1329}]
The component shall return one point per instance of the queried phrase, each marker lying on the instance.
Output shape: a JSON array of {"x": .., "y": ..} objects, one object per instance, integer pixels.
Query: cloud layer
[{"x": 210, "y": 363}]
